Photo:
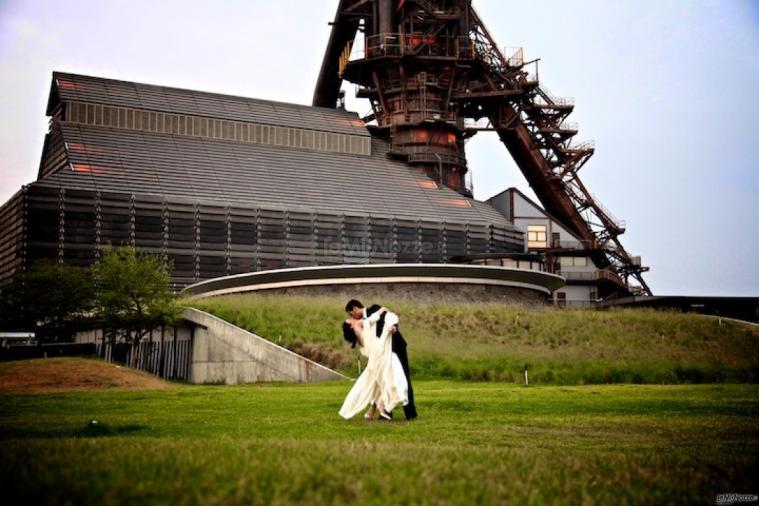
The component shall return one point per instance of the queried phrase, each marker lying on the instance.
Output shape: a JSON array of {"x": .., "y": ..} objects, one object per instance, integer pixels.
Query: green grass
[
  {"x": 495, "y": 341},
  {"x": 474, "y": 443}
]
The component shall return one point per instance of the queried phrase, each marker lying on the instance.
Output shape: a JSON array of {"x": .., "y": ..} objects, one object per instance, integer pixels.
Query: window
[
  {"x": 212, "y": 128},
  {"x": 536, "y": 236},
  {"x": 281, "y": 136},
  {"x": 573, "y": 261}
]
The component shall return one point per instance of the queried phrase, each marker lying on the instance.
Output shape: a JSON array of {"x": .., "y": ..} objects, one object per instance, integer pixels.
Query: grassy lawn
[
  {"x": 474, "y": 443},
  {"x": 486, "y": 342}
]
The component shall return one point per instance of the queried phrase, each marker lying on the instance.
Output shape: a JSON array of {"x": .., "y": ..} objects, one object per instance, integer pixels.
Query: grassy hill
[
  {"x": 494, "y": 342},
  {"x": 47, "y": 375}
]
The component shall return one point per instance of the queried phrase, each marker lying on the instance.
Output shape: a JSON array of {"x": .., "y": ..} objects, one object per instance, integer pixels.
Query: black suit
[{"x": 399, "y": 348}]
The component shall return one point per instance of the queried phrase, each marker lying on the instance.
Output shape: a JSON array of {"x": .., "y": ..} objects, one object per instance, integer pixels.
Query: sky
[{"x": 665, "y": 88}]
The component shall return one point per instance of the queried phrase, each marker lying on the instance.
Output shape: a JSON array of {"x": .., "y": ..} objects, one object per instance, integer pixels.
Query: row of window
[
  {"x": 532, "y": 265},
  {"x": 573, "y": 261},
  {"x": 210, "y": 128}
]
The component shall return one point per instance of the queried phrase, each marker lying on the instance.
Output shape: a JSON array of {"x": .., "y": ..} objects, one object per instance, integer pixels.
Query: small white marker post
[{"x": 526, "y": 381}]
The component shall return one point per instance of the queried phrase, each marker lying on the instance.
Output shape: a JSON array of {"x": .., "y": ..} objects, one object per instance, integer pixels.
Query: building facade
[
  {"x": 221, "y": 185},
  {"x": 563, "y": 253}
]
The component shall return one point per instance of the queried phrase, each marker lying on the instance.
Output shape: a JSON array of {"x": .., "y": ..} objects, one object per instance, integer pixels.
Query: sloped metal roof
[
  {"x": 111, "y": 159},
  {"x": 74, "y": 87}
]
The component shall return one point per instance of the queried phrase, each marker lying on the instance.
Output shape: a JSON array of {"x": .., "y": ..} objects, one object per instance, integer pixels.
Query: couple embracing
[{"x": 384, "y": 383}]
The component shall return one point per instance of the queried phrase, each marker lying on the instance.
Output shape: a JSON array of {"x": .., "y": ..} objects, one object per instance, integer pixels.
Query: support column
[{"x": 386, "y": 24}]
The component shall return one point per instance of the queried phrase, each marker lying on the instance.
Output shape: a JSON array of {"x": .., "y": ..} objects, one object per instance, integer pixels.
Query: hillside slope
[{"x": 495, "y": 342}]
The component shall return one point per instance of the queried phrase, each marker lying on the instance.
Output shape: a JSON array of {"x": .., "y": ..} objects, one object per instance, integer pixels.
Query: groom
[{"x": 356, "y": 310}]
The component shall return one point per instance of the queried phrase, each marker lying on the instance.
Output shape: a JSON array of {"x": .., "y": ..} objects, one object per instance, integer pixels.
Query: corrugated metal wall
[
  {"x": 12, "y": 235},
  {"x": 206, "y": 241}
]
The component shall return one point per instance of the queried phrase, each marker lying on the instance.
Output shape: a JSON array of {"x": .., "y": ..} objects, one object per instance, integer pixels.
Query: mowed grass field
[
  {"x": 494, "y": 342},
  {"x": 474, "y": 443}
]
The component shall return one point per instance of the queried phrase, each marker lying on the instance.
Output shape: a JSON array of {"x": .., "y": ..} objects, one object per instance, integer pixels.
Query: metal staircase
[
  {"x": 534, "y": 130},
  {"x": 437, "y": 60}
]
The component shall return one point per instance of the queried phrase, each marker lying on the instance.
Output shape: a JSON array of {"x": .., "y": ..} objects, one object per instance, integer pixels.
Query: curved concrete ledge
[
  {"x": 447, "y": 274},
  {"x": 225, "y": 353}
]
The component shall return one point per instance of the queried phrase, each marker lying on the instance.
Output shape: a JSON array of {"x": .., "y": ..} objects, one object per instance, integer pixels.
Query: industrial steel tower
[{"x": 434, "y": 77}]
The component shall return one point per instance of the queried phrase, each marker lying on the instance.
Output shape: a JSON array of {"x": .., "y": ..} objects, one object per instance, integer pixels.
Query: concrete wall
[
  {"x": 225, "y": 353},
  {"x": 502, "y": 203},
  {"x": 525, "y": 213},
  {"x": 577, "y": 295},
  {"x": 386, "y": 293},
  {"x": 220, "y": 352},
  {"x": 525, "y": 209}
]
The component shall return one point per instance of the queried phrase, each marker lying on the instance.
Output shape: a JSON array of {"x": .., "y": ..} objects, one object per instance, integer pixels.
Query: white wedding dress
[{"x": 383, "y": 381}]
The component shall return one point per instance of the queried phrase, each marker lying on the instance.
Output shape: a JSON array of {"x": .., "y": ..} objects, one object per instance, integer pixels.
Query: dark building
[{"x": 223, "y": 185}]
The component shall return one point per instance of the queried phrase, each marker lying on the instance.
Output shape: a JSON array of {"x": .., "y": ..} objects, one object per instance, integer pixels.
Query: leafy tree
[
  {"x": 132, "y": 291},
  {"x": 55, "y": 300}
]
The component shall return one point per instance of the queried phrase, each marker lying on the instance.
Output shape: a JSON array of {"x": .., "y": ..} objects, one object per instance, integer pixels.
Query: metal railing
[
  {"x": 578, "y": 276},
  {"x": 436, "y": 10},
  {"x": 621, "y": 224},
  {"x": 164, "y": 351},
  {"x": 582, "y": 146},
  {"x": 396, "y": 45},
  {"x": 609, "y": 276},
  {"x": 599, "y": 275},
  {"x": 564, "y": 126},
  {"x": 530, "y": 78},
  {"x": 514, "y": 56},
  {"x": 573, "y": 245},
  {"x": 420, "y": 156},
  {"x": 545, "y": 97}
]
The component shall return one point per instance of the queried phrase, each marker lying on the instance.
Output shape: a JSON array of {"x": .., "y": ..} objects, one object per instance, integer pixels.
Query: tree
[
  {"x": 55, "y": 300},
  {"x": 132, "y": 292}
]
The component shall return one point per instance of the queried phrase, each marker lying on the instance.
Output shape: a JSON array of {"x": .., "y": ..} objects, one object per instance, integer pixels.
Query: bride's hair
[{"x": 349, "y": 334}]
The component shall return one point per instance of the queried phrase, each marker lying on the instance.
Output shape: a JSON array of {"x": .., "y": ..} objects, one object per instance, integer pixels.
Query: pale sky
[{"x": 667, "y": 89}]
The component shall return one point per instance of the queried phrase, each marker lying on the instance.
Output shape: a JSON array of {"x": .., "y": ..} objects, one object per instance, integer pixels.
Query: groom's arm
[
  {"x": 375, "y": 312},
  {"x": 394, "y": 328}
]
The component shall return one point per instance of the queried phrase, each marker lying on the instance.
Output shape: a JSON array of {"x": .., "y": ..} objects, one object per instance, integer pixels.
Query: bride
[{"x": 382, "y": 385}]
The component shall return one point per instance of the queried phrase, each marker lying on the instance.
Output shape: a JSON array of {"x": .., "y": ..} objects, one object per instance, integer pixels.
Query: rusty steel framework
[{"x": 434, "y": 77}]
